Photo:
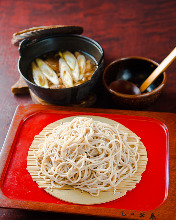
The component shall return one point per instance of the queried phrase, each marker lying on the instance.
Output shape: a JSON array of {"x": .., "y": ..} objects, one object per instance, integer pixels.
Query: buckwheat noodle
[{"x": 89, "y": 155}]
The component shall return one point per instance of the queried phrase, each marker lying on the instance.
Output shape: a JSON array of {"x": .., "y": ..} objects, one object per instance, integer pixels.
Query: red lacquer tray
[{"x": 18, "y": 189}]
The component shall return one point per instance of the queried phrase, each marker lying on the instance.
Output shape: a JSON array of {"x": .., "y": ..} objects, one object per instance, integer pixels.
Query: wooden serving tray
[{"x": 20, "y": 192}]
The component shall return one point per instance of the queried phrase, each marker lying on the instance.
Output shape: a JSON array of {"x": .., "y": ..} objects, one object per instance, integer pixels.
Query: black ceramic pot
[{"x": 30, "y": 50}]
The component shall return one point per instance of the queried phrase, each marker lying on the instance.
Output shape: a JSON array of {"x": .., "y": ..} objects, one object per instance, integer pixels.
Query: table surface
[{"x": 123, "y": 28}]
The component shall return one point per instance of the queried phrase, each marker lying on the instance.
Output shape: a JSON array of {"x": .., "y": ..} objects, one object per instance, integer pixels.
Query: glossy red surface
[{"x": 148, "y": 194}]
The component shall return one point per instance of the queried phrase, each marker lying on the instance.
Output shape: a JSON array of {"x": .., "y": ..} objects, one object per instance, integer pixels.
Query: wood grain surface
[{"x": 123, "y": 28}]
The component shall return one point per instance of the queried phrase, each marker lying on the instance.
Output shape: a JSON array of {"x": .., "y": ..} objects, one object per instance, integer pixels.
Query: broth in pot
[{"x": 57, "y": 70}]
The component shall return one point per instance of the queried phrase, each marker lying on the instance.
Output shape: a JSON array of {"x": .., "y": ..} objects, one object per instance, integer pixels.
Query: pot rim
[{"x": 25, "y": 43}]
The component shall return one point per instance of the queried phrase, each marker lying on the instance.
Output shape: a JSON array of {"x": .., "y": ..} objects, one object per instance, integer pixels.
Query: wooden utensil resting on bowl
[
  {"x": 161, "y": 68},
  {"x": 127, "y": 87},
  {"x": 135, "y": 70}
]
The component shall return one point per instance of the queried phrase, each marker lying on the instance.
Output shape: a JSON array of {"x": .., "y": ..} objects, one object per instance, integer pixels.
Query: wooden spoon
[{"x": 126, "y": 87}]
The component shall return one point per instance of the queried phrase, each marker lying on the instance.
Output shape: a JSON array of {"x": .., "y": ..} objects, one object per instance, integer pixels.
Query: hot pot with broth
[{"x": 59, "y": 65}]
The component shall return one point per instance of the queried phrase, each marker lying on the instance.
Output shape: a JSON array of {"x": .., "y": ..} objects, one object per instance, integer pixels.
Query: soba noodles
[{"x": 88, "y": 155}]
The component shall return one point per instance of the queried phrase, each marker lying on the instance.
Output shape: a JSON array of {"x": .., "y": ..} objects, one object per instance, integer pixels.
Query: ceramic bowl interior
[
  {"x": 135, "y": 70},
  {"x": 30, "y": 50}
]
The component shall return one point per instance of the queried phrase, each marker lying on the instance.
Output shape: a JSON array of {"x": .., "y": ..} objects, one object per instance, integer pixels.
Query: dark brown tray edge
[
  {"x": 24, "y": 110},
  {"x": 4, "y": 154}
]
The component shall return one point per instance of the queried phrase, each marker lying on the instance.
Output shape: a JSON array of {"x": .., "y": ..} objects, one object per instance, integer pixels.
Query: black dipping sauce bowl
[
  {"x": 135, "y": 70},
  {"x": 30, "y": 50}
]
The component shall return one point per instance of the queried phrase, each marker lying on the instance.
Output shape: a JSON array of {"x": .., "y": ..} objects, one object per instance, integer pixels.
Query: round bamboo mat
[{"x": 73, "y": 195}]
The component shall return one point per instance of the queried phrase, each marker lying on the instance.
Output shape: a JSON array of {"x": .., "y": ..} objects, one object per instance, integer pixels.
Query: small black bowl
[
  {"x": 135, "y": 70},
  {"x": 30, "y": 50}
]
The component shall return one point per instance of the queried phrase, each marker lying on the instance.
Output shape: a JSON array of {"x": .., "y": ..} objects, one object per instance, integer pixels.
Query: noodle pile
[{"x": 86, "y": 154}]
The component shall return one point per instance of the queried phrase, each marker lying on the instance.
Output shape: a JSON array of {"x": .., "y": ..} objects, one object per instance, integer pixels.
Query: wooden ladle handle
[{"x": 164, "y": 64}]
